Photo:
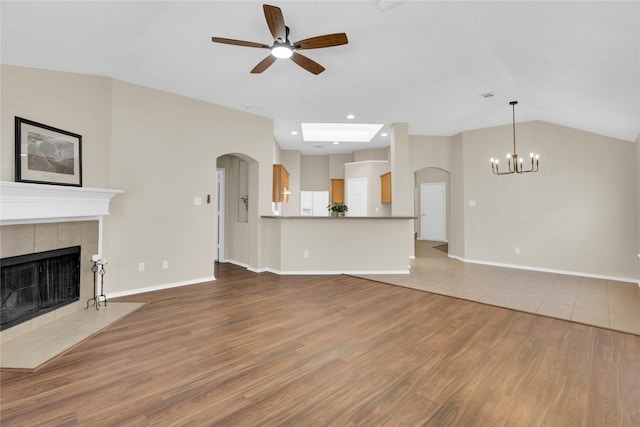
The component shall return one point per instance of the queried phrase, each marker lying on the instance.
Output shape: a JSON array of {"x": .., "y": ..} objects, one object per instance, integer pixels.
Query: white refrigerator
[{"x": 314, "y": 203}]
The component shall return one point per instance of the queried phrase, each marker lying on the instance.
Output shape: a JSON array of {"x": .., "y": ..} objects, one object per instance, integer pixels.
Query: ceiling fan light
[{"x": 281, "y": 52}]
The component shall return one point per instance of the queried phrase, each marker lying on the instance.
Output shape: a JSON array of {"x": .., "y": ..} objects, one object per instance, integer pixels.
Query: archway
[
  {"x": 235, "y": 215},
  {"x": 425, "y": 177}
]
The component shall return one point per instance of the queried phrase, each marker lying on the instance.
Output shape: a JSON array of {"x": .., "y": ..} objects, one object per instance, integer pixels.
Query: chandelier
[{"x": 515, "y": 162}]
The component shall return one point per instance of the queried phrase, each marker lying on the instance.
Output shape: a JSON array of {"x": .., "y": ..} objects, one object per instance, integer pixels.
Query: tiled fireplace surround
[
  {"x": 27, "y": 239},
  {"x": 36, "y": 218}
]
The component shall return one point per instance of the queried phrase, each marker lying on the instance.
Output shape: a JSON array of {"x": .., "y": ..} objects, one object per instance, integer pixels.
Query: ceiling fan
[{"x": 282, "y": 47}]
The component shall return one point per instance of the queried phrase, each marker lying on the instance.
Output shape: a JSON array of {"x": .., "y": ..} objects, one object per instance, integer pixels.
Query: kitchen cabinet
[
  {"x": 337, "y": 190},
  {"x": 385, "y": 188},
  {"x": 280, "y": 184}
]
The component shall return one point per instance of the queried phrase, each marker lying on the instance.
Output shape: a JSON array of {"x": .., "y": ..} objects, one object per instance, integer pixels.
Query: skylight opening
[{"x": 343, "y": 132}]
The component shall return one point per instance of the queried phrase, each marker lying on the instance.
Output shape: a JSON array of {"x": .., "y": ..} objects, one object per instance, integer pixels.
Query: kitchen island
[{"x": 336, "y": 245}]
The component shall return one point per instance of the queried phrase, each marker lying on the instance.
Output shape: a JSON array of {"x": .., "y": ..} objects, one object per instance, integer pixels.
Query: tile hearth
[{"x": 35, "y": 348}]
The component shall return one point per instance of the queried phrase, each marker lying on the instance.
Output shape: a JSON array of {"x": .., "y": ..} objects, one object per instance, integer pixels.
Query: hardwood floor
[{"x": 260, "y": 349}]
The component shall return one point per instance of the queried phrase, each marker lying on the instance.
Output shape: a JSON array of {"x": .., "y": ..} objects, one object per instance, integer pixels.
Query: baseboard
[
  {"x": 159, "y": 287},
  {"x": 314, "y": 272},
  {"x": 238, "y": 263},
  {"x": 547, "y": 270},
  {"x": 327, "y": 272}
]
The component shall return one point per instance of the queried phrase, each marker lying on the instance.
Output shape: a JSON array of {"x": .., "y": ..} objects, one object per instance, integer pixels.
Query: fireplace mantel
[{"x": 25, "y": 203}]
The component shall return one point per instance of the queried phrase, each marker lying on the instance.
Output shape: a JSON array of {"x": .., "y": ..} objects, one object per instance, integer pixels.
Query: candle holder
[{"x": 98, "y": 282}]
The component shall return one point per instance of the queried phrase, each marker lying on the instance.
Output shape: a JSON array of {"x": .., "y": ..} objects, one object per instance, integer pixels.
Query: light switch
[
  {"x": 472, "y": 202},
  {"x": 197, "y": 200}
]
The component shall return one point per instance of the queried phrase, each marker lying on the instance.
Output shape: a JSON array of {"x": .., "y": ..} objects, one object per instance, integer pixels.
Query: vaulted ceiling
[{"x": 426, "y": 63}]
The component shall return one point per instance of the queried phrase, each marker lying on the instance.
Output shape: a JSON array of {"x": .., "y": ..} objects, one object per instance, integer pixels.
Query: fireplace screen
[{"x": 38, "y": 283}]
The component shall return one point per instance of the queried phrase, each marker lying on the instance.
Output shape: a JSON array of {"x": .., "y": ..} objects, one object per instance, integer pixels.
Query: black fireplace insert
[{"x": 37, "y": 283}]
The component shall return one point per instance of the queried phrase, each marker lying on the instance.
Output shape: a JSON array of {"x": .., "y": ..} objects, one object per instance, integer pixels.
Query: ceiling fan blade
[
  {"x": 327, "y": 40},
  {"x": 238, "y": 42},
  {"x": 275, "y": 21},
  {"x": 308, "y": 64},
  {"x": 264, "y": 64}
]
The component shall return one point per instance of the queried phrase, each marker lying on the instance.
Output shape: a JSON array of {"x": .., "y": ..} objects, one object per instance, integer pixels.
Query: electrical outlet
[
  {"x": 306, "y": 254},
  {"x": 517, "y": 250},
  {"x": 140, "y": 267},
  {"x": 165, "y": 264}
]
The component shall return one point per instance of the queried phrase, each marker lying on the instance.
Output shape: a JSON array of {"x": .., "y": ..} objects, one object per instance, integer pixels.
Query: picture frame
[{"x": 47, "y": 155}]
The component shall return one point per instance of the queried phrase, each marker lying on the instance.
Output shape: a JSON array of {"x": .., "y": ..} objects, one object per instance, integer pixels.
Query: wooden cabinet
[
  {"x": 280, "y": 184},
  {"x": 385, "y": 187},
  {"x": 337, "y": 190}
]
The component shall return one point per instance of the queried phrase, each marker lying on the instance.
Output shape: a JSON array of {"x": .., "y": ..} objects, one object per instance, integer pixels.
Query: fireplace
[
  {"x": 35, "y": 284},
  {"x": 39, "y": 218}
]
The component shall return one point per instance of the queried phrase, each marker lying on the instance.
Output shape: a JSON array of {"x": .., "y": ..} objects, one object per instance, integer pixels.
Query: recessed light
[
  {"x": 336, "y": 142},
  {"x": 293, "y": 132},
  {"x": 487, "y": 95},
  {"x": 249, "y": 106},
  {"x": 383, "y": 134},
  {"x": 351, "y": 116}
]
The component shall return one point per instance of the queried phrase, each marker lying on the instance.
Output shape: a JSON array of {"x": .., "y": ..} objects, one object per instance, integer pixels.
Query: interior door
[
  {"x": 433, "y": 214},
  {"x": 357, "y": 197}
]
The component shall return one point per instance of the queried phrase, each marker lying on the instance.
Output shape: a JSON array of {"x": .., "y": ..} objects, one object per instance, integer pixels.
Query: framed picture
[{"x": 46, "y": 155}]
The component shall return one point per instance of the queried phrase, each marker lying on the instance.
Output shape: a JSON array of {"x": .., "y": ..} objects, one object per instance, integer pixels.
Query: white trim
[
  {"x": 312, "y": 272},
  {"x": 25, "y": 203},
  {"x": 547, "y": 270},
  {"x": 220, "y": 217},
  {"x": 238, "y": 263},
  {"x": 159, "y": 287},
  {"x": 366, "y": 161}
]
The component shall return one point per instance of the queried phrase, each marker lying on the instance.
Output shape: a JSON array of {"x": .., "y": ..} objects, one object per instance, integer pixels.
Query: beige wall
[
  {"x": 457, "y": 236},
  {"x": 371, "y": 170},
  {"x": 72, "y": 102},
  {"x": 371, "y": 154},
  {"x": 315, "y": 173},
  {"x": 236, "y": 238},
  {"x": 578, "y": 213},
  {"x": 337, "y": 245},
  {"x": 401, "y": 174},
  {"x": 336, "y": 165},
  {"x": 637, "y": 143},
  {"x": 158, "y": 147},
  {"x": 291, "y": 160},
  {"x": 431, "y": 152},
  {"x": 177, "y": 140}
]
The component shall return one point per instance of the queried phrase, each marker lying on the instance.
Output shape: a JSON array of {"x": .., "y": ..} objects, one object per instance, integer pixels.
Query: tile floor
[
  {"x": 597, "y": 302},
  {"x": 33, "y": 349}
]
